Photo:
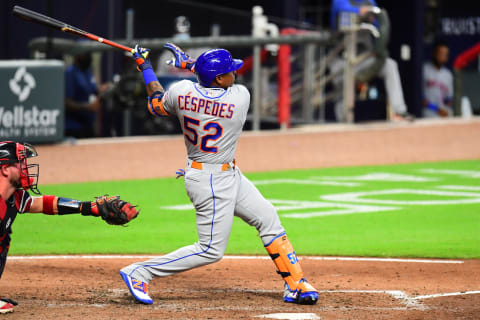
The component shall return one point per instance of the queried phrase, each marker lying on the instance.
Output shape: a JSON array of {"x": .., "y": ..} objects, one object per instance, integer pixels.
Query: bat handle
[{"x": 145, "y": 54}]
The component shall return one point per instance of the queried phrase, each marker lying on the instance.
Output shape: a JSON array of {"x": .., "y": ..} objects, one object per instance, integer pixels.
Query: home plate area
[{"x": 290, "y": 316}]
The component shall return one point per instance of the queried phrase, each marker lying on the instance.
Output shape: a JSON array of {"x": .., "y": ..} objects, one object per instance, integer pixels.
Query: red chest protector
[{"x": 19, "y": 202}]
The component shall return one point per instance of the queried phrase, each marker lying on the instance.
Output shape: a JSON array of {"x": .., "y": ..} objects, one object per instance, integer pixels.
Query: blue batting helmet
[{"x": 213, "y": 63}]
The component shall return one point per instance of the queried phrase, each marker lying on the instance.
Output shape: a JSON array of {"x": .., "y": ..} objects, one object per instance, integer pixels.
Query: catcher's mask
[{"x": 12, "y": 153}]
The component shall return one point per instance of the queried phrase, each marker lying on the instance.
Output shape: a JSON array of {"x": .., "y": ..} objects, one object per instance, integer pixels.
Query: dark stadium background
[{"x": 414, "y": 22}]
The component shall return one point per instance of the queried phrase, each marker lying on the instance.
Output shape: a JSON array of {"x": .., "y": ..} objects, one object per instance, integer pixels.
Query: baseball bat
[{"x": 39, "y": 18}]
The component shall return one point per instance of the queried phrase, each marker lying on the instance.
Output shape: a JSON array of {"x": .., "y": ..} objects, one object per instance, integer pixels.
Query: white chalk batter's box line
[
  {"x": 401, "y": 296},
  {"x": 407, "y": 302},
  {"x": 353, "y": 259}
]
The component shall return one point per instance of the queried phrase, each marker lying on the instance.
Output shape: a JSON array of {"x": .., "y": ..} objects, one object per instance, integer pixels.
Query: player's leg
[
  {"x": 3, "y": 257},
  {"x": 212, "y": 197},
  {"x": 254, "y": 209},
  {"x": 393, "y": 86},
  {"x": 6, "y": 305}
]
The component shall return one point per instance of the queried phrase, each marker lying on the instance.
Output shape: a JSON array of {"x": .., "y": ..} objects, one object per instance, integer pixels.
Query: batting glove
[
  {"x": 180, "y": 60},
  {"x": 180, "y": 173},
  {"x": 141, "y": 58}
]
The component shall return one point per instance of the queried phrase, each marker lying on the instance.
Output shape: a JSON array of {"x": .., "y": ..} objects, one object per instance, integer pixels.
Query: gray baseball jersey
[
  {"x": 212, "y": 120},
  {"x": 437, "y": 88}
]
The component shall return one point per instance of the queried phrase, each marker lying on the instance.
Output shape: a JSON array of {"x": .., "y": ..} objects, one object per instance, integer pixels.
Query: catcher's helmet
[
  {"x": 14, "y": 152},
  {"x": 213, "y": 63}
]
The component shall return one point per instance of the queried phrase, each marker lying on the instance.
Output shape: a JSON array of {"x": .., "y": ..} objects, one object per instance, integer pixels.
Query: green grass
[{"x": 434, "y": 230}]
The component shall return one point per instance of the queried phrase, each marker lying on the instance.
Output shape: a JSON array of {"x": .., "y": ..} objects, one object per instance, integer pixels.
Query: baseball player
[
  {"x": 438, "y": 83},
  {"x": 17, "y": 176},
  {"x": 212, "y": 113}
]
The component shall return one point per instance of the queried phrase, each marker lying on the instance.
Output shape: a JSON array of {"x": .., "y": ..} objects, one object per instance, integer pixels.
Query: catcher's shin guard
[{"x": 297, "y": 289}]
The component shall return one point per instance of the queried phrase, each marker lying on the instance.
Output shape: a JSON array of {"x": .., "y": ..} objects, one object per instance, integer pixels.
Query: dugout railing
[{"x": 467, "y": 95}]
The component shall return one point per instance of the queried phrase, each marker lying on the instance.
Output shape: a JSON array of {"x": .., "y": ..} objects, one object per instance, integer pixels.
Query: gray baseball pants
[{"x": 217, "y": 196}]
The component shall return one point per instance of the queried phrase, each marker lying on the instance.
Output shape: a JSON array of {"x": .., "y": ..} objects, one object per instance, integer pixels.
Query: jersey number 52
[{"x": 190, "y": 131}]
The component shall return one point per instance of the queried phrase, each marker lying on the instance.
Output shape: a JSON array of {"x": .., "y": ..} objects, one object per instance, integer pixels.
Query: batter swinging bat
[{"x": 33, "y": 16}]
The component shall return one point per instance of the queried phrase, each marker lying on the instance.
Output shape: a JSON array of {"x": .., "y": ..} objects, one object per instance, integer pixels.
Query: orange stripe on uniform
[{"x": 197, "y": 165}]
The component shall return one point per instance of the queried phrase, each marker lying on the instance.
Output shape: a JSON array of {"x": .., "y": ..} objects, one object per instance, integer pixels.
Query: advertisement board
[{"x": 32, "y": 100}]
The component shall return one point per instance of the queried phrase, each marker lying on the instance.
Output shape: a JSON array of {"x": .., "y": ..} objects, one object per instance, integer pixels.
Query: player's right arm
[{"x": 155, "y": 90}]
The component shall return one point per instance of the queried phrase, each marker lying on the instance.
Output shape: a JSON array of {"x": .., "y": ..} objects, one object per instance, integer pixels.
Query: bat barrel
[{"x": 37, "y": 17}]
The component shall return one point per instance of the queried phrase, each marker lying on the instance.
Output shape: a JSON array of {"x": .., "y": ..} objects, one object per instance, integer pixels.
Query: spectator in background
[
  {"x": 182, "y": 33},
  {"x": 388, "y": 69},
  {"x": 82, "y": 102},
  {"x": 438, "y": 83}
]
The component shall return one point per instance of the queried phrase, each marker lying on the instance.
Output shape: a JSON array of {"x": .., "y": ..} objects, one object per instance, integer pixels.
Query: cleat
[
  {"x": 138, "y": 289},
  {"x": 11, "y": 301},
  {"x": 304, "y": 294},
  {"x": 405, "y": 117},
  {"x": 5, "y": 307},
  {"x": 308, "y": 298}
]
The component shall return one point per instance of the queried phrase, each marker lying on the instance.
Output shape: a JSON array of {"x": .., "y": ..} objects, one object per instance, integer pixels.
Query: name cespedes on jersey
[{"x": 206, "y": 106}]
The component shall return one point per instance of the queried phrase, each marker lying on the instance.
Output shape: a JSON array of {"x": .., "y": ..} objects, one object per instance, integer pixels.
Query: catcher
[{"x": 17, "y": 176}]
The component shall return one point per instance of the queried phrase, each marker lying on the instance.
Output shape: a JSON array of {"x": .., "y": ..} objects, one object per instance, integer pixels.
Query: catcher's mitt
[{"x": 114, "y": 210}]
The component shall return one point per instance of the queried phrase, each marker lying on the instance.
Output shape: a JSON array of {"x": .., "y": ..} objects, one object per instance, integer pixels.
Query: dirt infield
[
  {"x": 90, "y": 288},
  {"x": 244, "y": 289}
]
